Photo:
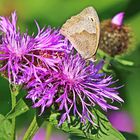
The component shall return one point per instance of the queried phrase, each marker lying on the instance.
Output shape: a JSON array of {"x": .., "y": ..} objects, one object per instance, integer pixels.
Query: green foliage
[
  {"x": 125, "y": 62},
  {"x": 103, "y": 130},
  {"x": 5, "y": 128},
  {"x": 20, "y": 108},
  {"x": 129, "y": 136}
]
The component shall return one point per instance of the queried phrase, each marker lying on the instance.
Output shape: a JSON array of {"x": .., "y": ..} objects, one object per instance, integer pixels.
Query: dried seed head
[{"x": 114, "y": 40}]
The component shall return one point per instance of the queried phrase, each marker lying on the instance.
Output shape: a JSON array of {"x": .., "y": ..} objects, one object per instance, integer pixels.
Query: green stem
[
  {"x": 13, "y": 98},
  {"x": 13, "y": 103},
  {"x": 33, "y": 128},
  {"x": 48, "y": 131}
]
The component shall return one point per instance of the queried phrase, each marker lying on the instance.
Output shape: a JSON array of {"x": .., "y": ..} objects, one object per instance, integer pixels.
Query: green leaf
[
  {"x": 103, "y": 130},
  {"x": 124, "y": 62},
  {"x": 130, "y": 136},
  {"x": 74, "y": 130},
  {"x": 106, "y": 131},
  {"x": 5, "y": 128},
  {"x": 20, "y": 108}
]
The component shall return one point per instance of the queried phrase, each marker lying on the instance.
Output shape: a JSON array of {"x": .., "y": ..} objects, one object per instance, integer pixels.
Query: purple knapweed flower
[
  {"x": 76, "y": 87},
  {"x": 21, "y": 54},
  {"x": 118, "y": 19}
]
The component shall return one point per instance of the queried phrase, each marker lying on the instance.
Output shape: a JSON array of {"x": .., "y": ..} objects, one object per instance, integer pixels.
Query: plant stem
[
  {"x": 48, "y": 131},
  {"x": 30, "y": 131},
  {"x": 33, "y": 128},
  {"x": 13, "y": 103}
]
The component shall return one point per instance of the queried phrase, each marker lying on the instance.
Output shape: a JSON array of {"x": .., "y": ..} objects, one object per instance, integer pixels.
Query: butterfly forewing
[{"x": 83, "y": 31}]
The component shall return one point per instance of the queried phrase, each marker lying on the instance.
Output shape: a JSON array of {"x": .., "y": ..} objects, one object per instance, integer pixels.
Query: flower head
[
  {"x": 21, "y": 54},
  {"x": 116, "y": 37},
  {"x": 118, "y": 19},
  {"x": 75, "y": 88}
]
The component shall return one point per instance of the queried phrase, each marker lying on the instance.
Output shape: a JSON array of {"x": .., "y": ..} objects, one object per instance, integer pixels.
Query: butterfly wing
[{"x": 83, "y": 31}]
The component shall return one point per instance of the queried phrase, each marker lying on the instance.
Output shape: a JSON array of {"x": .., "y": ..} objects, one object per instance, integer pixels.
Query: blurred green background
[{"x": 55, "y": 13}]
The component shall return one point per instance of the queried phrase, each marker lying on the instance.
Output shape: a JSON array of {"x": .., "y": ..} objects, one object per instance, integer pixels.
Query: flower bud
[
  {"x": 115, "y": 36},
  {"x": 118, "y": 19}
]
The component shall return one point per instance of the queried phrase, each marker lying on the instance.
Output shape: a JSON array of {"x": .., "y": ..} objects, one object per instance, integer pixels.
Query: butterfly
[{"x": 83, "y": 32}]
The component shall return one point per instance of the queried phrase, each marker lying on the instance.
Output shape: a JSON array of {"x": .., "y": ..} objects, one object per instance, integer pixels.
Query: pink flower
[
  {"x": 122, "y": 121},
  {"x": 118, "y": 19}
]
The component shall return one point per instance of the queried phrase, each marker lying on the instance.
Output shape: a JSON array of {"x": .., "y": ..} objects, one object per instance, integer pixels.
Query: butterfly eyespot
[{"x": 91, "y": 19}]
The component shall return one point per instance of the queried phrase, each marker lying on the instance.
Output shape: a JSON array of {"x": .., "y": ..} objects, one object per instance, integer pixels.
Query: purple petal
[{"x": 118, "y": 19}]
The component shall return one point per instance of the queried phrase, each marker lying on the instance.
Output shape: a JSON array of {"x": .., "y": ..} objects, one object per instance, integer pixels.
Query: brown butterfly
[{"x": 83, "y": 31}]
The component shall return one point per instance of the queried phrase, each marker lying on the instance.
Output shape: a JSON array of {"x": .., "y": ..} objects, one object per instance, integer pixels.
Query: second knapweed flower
[{"x": 75, "y": 88}]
